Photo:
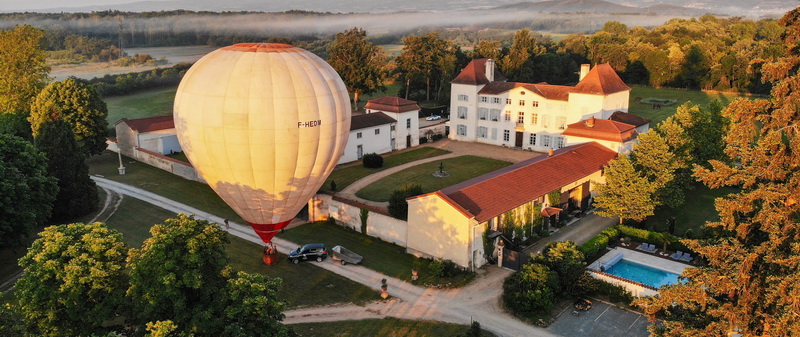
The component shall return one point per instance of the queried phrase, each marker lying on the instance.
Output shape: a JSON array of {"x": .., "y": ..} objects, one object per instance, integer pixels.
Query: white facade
[
  {"x": 406, "y": 133},
  {"x": 163, "y": 141},
  {"x": 373, "y": 139}
]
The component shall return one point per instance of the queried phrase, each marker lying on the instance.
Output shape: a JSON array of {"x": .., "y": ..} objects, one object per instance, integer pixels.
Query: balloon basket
[{"x": 271, "y": 259}]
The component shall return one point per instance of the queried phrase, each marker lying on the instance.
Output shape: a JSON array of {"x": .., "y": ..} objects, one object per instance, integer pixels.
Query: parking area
[{"x": 603, "y": 320}]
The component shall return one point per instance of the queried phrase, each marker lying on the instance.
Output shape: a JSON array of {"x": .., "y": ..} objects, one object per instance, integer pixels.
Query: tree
[
  {"x": 360, "y": 63},
  {"x": 253, "y": 308},
  {"x": 530, "y": 290},
  {"x": 77, "y": 193},
  {"x": 751, "y": 273},
  {"x": 16, "y": 124},
  {"x": 178, "y": 275},
  {"x": 27, "y": 192},
  {"x": 426, "y": 57},
  {"x": 74, "y": 280},
  {"x": 487, "y": 49},
  {"x": 24, "y": 71},
  {"x": 521, "y": 54},
  {"x": 398, "y": 206},
  {"x": 564, "y": 258},
  {"x": 626, "y": 193},
  {"x": 79, "y": 105}
]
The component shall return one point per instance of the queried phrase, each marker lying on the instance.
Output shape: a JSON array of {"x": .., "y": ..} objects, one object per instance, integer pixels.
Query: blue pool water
[{"x": 643, "y": 274}]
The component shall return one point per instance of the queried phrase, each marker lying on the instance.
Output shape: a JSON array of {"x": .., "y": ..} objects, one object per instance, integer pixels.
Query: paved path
[
  {"x": 480, "y": 300},
  {"x": 456, "y": 149},
  {"x": 579, "y": 232}
]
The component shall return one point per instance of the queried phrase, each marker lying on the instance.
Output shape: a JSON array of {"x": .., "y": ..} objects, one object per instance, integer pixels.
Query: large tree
[
  {"x": 750, "y": 279},
  {"x": 253, "y": 308},
  {"x": 24, "y": 71},
  {"x": 426, "y": 58},
  {"x": 360, "y": 63},
  {"x": 627, "y": 193},
  {"x": 74, "y": 280},
  {"x": 77, "y": 193},
  {"x": 27, "y": 192},
  {"x": 177, "y": 275},
  {"x": 79, "y": 105}
]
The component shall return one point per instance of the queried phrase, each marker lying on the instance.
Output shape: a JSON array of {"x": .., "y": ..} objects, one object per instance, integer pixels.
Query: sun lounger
[
  {"x": 651, "y": 248},
  {"x": 643, "y": 246},
  {"x": 686, "y": 257},
  {"x": 677, "y": 255}
]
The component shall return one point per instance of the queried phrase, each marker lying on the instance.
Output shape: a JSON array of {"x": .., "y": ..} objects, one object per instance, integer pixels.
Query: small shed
[{"x": 156, "y": 134}]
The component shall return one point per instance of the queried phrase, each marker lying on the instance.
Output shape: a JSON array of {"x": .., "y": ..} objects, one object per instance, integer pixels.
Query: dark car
[{"x": 311, "y": 251}]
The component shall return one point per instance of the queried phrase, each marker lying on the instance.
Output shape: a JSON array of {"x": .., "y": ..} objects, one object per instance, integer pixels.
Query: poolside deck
[{"x": 636, "y": 288}]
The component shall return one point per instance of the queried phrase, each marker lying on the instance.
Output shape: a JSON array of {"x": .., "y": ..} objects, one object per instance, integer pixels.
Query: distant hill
[{"x": 595, "y": 6}]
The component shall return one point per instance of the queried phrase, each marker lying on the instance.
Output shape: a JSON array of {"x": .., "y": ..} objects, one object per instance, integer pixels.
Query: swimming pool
[{"x": 643, "y": 274}]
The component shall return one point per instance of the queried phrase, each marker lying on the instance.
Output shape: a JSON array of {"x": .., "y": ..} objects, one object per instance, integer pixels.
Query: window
[
  {"x": 533, "y": 139},
  {"x": 408, "y": 123},
  {"x": 561, "y": 122},
  {"x": 483, "y": 113},
  {"x": 506, "y": 135},
  {"x": 546, "y": 141},
  {"x": 462, "y": 112},
  {"x": 495, "y": 100},
  {"x": 508, "y": 116},
  {"x": 508, "y": 101},
  {"x": 463, "y": 98},
  {"x": 494, "y": 134},
  {"x": 377, "y": 131},
  {"x": 559, "y": 142},
  {"x": 392, "y": 127},
  {"x": 520, "y": 117},
  {"x": 494, "y": 115},
  {"x": 522, "y": 102},
  {"x": 461, "y": 130},
  {"x": 535, "y": 104},
  {"x": 534, "y": 119},
  {"x": 482, "y": 131},
  {"x": 484, "y": 99},
  {"x": 545, "y": 121},
  {"x": 358, "y": 135}
]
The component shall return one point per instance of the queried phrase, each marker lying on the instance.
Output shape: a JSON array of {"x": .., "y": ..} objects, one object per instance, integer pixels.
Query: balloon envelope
[{"x": 264, "y": 125}]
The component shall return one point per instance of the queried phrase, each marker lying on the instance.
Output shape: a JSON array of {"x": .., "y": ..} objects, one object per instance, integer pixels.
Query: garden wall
[
  {"x": 348, "y": 213},
  {"x": 174, "y": 166},
  {"x": 635, "y": 288}
]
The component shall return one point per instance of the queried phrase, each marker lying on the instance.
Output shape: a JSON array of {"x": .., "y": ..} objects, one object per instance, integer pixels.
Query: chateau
[{"x": 485, "y": 108}]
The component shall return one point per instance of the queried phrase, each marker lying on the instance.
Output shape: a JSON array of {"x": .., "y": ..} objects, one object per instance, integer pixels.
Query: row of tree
[{"x": 82, "y": 280}]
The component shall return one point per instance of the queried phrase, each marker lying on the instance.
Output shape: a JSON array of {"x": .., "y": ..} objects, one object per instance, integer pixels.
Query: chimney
[
  {"x": 550, "y": 153},
  {"x": 490, "y": 70},
  {"x": 590, "y": 122},
  {"x": 584, "y": 71}
]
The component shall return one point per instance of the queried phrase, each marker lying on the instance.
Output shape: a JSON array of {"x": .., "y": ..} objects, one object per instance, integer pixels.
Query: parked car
[
  {"x": 311, "y": 251},
  {"x": 433, "y": 117}
]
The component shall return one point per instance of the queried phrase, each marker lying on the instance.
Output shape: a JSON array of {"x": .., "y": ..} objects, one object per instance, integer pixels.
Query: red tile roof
[
  {"x": 603, "y": 129},
  {"x": 392, "y": 104},
  {"x": 549, "y": 91},
  {"x": 149, "y": 124},
  {"x": 627, "y": 118},
  {"x": 601, "y": 80},
  {"x": 362, "y": 121},
  {"x": 475, "y": 73},
  {"x": 495, "y": 193}
]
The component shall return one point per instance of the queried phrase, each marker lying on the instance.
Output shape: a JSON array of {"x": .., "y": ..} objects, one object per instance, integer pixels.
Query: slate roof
[
  {"x": 392, "y": 104},
  {"x": 603, "y": 129},
  {"x": 368, "y": 120},
  {"x": 475, "y": 73},
  {"x": 601, "y": 80},
  {"x": 495, "y": 193},
  {"x": 627, "y": 118},
  {"x": 149, "y": 124}
]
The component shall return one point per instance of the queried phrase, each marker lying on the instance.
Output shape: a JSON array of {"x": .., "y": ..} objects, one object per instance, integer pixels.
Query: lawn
[
  {"x": 698, "y": 209},
  {"x": 388, "y": 327},
  {"x": 680, "y": 95},
  {"x": 460, "y": 168},
  {"x": 303, "y": 285},
  {"x": 381, "y": 256},
  {"x": 149, "y": 103},
  {"x": 347, "y": 175}
]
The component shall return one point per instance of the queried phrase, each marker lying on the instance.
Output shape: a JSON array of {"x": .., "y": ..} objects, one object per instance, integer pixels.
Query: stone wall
[{"x": 348, "y": 213}]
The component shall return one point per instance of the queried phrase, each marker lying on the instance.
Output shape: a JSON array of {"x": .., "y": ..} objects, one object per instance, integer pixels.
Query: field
[
  {"x": 681, "y": 96},
  {"x": 150, "y": 103},
  {"x": 460, "y": 168},
  {"x": 698, "y": 210}
]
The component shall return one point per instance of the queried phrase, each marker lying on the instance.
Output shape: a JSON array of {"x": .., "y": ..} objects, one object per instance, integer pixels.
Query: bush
[
  {"x": 592, "y": 248},
  {"x": 436, "y": 268},
  {"x": 590, "y": 286},
  {"x": 423, "y": 140},
  {"x": 530, "y": 290},
  {"x": 372, "y": 160},
  {"x": 398, "y": 207}
]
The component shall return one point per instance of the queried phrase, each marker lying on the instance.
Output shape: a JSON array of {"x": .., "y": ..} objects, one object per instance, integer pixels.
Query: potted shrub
[{"x": 384, "y": 288}]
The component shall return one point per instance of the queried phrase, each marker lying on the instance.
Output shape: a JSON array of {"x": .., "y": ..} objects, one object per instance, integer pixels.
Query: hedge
[{"x": 596, "y": 245}]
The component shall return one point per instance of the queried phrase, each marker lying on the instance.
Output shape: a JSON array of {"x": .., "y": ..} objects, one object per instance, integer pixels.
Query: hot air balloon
[{"x": 264, "y": 124}]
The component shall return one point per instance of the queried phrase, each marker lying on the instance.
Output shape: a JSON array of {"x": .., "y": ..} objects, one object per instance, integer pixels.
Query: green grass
[
  {"x": 460, "y": 168},
  {"x": 381, "y": 256},
  {"x": 303, "y": 285},
  {"x": 347, "y": 175},
  {"x": 698, "y": 209},
  {"x": 680, "y": 95},
  {"x": 150, "y": 103},
  {"x": 387, "y": 327}
]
